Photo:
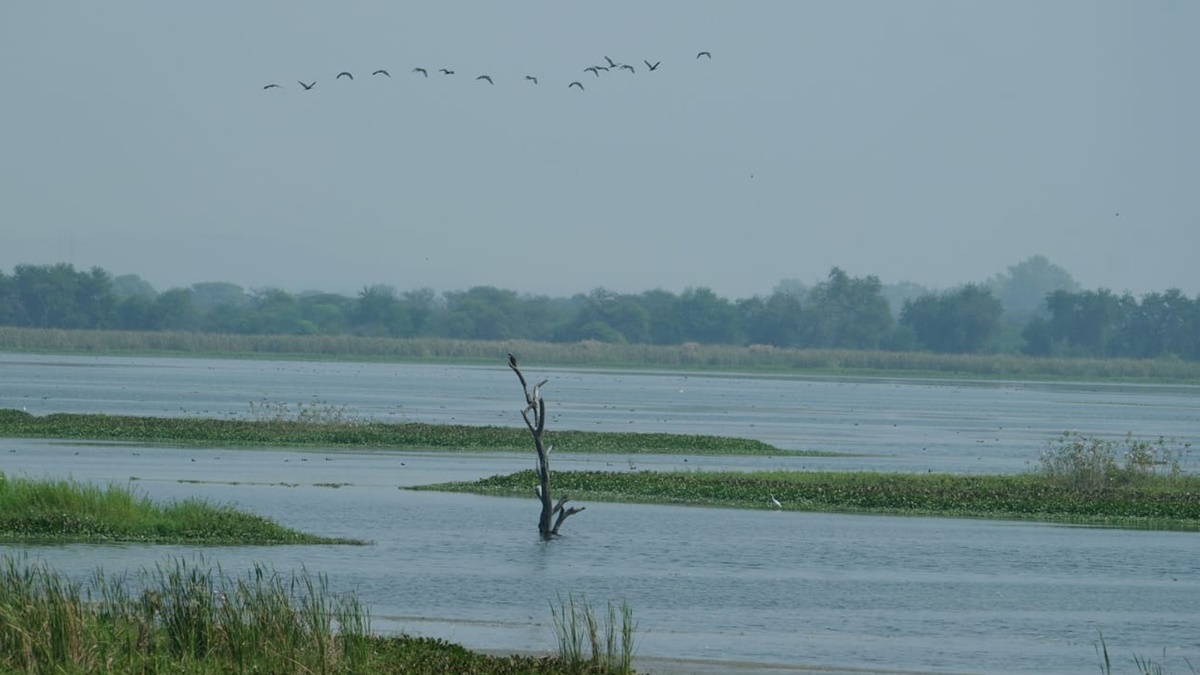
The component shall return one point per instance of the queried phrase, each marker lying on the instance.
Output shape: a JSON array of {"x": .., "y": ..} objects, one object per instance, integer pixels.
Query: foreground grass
[
  {"x": 691, "y": 356},
  {"x": 1158, "y": 502},
  {"x": 187, "y": 618},
  {"x": 69, "y": 511},
  {"x": 323, "y": 433}
]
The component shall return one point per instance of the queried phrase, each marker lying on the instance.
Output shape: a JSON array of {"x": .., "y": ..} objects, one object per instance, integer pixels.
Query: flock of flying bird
[{"x": 594, "y": 70}]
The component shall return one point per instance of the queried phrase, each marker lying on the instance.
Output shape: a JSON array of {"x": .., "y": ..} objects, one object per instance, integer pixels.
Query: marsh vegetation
[
  {"x": 70, "y": 511},
  {"x": 308, "y": 426},
  {"x": 1082, "y": 482},
  {"x": 690, "y": 356},
  {"x": 182, "y": 617}
]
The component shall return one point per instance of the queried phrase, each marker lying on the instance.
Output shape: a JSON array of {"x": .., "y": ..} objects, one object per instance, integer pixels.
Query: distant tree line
[{"x": 840, "y": 312}]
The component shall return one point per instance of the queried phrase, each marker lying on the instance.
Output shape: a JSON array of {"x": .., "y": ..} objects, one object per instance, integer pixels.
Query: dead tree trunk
[{"x": 553, "y": 514}]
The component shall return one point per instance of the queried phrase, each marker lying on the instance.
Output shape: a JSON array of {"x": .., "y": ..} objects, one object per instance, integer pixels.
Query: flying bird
[
  {"x": 627, "y": 66},
  {"x": 512, "y": 360},
  {"x": 595, "y": 70},
  {"x": 575, "y": 84},
  {"x": 307, "y": 86},
  {"x": 344, "y": 73},
  {"x": 652, "y": 67},
  {"x": 531, "y": 78},
  {"x": 272, "y": 86},
  {"x": 486, "y": 77},
  {"x": 704, "y": 54},
  {"x": 611, "y": 63},
  {"x": 445, "y": 71},
  {"x": 381, "y": 71},
  {"x": 421, "y": 71}
]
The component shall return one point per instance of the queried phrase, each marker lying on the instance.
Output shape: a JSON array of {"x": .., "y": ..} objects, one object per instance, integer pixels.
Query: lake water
[{"x": 737, "y": 590}]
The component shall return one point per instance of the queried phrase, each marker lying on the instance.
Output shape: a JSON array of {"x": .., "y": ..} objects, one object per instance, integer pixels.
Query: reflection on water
[{"x": 766, "y": 587}]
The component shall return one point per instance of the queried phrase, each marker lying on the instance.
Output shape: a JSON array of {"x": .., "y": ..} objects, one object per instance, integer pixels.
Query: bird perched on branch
[{"x": 512, "y": 360}]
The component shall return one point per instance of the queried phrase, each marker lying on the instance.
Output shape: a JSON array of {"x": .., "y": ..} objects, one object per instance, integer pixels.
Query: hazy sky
[{"x": 933, "y": 142}]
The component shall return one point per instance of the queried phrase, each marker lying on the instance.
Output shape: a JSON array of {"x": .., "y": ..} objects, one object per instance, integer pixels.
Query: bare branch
[
  {"x": 562, "y": 515},
  {"x": 535, "y": 405},
  {"x": 525, "y": 414}
]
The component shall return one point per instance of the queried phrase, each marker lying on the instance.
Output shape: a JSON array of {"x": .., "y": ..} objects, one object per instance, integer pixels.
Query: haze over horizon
[{"x": 933, "y": 142}]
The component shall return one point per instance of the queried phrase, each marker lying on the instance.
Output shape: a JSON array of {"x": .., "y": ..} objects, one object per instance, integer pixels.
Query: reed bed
[
  {"x": 320, "y": 430},
  {"x": 67, "y": 510},
  {"x": 1154, "y": 502},
  {"x": 182, "y": 617},
  {"x": 588, "y": 353},
  {"x": 177, "y": 617}
]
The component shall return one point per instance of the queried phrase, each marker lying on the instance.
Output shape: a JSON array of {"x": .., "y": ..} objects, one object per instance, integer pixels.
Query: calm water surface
[{"x": 764, "y": 587}]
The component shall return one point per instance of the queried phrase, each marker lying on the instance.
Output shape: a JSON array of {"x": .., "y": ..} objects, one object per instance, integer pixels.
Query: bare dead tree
[{"x": 553, "y": 513}]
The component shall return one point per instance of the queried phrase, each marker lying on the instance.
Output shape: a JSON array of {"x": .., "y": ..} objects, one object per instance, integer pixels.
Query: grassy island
[
  {"x": 1154, "y": 502},
  {"x": 321, "y": 432},
  {"x": 68, "y": 511}
]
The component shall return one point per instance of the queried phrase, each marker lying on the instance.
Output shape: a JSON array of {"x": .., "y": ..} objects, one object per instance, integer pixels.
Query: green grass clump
[
  {"x": 65, "y": 510},
  {"x": 193, "y": 619},
  {"x": 1154, "y": 502},
  {"x": 323, "y": 432},
  {"x": 1086, "y": 462},
  {"x": 590, "y": 645}
]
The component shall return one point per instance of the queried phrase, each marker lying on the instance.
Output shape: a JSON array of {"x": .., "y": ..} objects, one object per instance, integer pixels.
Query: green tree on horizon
[
  {"x": 841, "y": 312},
  {"x": 965, "y": 320}
]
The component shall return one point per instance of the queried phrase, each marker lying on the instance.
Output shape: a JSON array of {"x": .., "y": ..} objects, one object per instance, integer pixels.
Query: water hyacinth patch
[
  {"x": 319, "y": 430},
  {"x": 1168, "y": 504}
]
